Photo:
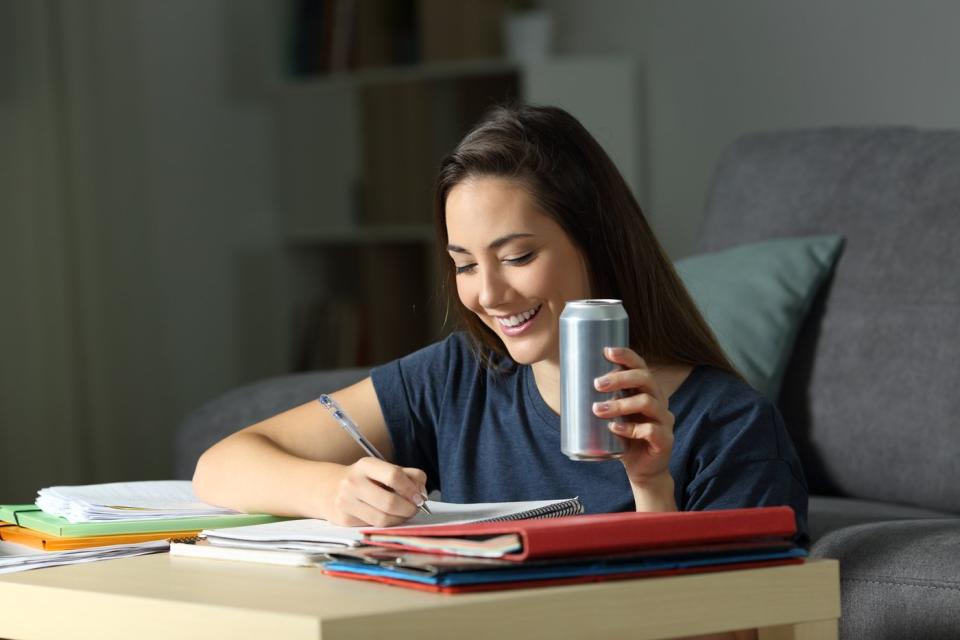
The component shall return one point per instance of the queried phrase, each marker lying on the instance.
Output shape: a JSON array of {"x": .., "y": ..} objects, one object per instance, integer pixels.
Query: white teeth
[{"x": 518, "y": 319}]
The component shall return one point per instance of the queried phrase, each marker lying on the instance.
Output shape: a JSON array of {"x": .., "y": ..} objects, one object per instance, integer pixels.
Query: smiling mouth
[{"x": 520, "y": 319}]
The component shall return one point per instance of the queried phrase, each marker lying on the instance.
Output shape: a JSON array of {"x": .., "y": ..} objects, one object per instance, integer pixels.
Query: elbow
[{"x": 202, "y": 485}]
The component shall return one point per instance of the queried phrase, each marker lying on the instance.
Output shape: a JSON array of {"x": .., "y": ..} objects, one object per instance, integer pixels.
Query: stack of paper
[
  {"x": 290, "y": 535},
  {"x": 98, "y": 522},
  {"x": 157, "y": 499},
  {"x": 16, "y": 557}
]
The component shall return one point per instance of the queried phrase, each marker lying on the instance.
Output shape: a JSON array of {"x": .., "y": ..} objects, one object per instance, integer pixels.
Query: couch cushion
[
  {"x": 898, "y": 580},
  {"x": 246, "y": 405},
  {"x": 828, "y": 514},
  {"x": 755, "y": 296},
  {"x": 870, "y": 394}
]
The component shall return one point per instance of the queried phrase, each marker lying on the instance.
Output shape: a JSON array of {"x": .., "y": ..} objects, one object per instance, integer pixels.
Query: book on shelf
[
  {"x": 331, "y": 334},
  {"x": 460, "y": 29},
  {"x": 329, "y": 36}
]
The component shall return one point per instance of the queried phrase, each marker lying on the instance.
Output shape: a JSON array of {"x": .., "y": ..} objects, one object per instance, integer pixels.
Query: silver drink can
[{"x": 586, "y": 327}]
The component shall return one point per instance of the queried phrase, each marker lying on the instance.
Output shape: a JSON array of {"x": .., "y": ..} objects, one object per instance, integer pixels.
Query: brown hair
[{"x": 571, "y": 179}]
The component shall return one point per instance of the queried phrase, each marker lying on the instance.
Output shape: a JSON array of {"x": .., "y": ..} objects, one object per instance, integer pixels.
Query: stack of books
[
  {"x": 75, "y": 524},
  {"x": 457, "y": 548},
  {"x": 572, "y": 549},
  {"x": 310, "y": 542}
]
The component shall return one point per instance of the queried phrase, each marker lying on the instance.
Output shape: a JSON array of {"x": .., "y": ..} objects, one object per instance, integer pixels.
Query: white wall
[{"x": 717, "y": 69}]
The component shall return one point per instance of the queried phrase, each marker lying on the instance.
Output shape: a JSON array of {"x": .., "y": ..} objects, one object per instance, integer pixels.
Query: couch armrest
[{"x": 247, "y": 405}]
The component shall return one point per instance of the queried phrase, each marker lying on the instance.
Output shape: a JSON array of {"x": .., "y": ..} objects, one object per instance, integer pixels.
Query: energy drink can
[{"x": 586, "y": 327}]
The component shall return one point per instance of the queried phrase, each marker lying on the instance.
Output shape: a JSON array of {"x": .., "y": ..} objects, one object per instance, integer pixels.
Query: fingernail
[
  {"x": 601, "y": 383},
  {"x": 417, "y": 499},
  {"x": 616, "y": 426},
  {"x": 600, "y": 406}
]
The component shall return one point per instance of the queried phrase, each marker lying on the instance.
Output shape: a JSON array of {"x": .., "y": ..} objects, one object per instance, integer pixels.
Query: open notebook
[{"x": 317, "y": 536}]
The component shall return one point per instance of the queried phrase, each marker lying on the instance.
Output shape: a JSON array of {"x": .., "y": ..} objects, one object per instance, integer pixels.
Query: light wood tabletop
[{"x": 159, "y": 596}]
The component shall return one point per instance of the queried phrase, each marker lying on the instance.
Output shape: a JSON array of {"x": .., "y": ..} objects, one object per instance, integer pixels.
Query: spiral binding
[
  {"x": 572, "y": 507},
  {"x": 184, "y": 540}
]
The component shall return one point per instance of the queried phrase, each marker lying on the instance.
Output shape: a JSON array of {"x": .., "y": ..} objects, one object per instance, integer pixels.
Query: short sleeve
[
  {"x": 742, "y": 456},
  {"x": 410, "y": 391}
]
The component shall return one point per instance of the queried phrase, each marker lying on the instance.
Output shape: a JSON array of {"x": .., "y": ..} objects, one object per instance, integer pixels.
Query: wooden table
[{"x": 162, "y": 597}]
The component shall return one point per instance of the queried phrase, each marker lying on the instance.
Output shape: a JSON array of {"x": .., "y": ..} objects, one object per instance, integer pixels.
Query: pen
[{"x": 351, "y": 428}]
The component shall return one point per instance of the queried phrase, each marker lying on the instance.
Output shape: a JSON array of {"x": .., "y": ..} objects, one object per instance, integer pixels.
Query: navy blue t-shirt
[{"x": 485, "y": 436}]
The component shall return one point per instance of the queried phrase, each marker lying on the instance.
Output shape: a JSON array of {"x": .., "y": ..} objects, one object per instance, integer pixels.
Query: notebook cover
[
  {"x": 549, "y": 582},
  {"x": 604, "y": 533},
  {"x": 31, "y": 517},
  {"x": 419, "y": 563},
  {"x": 9, "y": 512},
  {"x": 47, "y": 542},
  {"x": 527, "y": 571}
]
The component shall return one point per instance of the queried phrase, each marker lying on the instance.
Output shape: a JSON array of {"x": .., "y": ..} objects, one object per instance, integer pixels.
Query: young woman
[{"x": 530, "y": 213}]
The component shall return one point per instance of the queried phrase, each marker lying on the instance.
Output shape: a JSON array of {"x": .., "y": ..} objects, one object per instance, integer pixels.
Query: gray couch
[{"x": 872, "y": 393}]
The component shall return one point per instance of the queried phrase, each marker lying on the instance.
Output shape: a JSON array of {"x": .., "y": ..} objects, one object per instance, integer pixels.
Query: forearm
[
  {"x": 251, "y": 473},
  {"x": 654, "y": 494}
]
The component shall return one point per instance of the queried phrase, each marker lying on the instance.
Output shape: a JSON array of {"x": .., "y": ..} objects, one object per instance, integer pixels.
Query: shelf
[
  {"x": 429, "y": 71},
  {"x": 358, "y": 153}
]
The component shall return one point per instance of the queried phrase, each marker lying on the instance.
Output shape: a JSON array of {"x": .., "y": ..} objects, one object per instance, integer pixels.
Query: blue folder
[{"x": 522, "y": 573}]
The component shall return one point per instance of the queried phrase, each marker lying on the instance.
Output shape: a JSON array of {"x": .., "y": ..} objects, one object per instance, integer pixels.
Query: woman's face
[{"x": 516, "y": 267}]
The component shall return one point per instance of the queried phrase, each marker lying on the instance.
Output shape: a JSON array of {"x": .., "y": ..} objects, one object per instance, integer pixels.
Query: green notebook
[{"x": 31, "y": 517}]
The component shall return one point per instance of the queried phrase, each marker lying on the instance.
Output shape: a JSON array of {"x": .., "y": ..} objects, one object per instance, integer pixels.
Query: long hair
[{"x": 571, "y": 179}]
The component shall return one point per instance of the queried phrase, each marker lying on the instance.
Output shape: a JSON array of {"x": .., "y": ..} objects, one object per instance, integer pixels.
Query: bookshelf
[{"x": 357, "y": 155}]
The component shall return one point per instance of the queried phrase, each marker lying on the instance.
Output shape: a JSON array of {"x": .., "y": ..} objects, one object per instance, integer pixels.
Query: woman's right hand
[{"x": 377, "y": 493}]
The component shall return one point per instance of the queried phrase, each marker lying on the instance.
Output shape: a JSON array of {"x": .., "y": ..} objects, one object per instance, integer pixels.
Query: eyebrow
[{"x": 496, "y": 244}]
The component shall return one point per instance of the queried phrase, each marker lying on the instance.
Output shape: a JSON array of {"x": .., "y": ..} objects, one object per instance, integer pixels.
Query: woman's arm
[{"x": 302, "y": 463}]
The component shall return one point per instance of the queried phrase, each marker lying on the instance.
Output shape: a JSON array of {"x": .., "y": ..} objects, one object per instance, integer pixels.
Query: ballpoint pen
[{"x": 351, "y": 428}]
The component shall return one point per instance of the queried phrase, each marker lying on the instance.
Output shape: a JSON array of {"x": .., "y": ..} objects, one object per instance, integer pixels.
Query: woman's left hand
[{"x": 647, "y": 424}]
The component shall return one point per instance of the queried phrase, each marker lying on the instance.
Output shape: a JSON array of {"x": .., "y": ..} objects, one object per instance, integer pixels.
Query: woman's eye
[
  {"x": 524, "y": 259},
  {"x": 521, "y": 260},
  {"x": 467, "y": 268}
]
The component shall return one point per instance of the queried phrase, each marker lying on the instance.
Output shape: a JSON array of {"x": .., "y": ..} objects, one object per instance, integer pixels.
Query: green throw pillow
[{"x": 756, "y": 296}]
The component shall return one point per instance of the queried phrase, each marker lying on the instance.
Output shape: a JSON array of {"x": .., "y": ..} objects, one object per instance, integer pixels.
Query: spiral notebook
[{"x": 319, "y": 535}]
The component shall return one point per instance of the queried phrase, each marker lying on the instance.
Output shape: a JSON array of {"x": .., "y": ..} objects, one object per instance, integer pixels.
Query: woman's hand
[
  {"x": 375, "y": 492},
  {"x": 646, "y": 426}
]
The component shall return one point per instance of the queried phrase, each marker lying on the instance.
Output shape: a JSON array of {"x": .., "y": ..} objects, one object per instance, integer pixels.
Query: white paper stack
[
  {"x": 154, "y": 499},
  {"x": 314, "y": 536},
  {"x": 17, "y": 557}
]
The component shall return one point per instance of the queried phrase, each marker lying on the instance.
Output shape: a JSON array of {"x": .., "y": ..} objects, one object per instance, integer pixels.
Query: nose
[{"x": 492, "y": 289}]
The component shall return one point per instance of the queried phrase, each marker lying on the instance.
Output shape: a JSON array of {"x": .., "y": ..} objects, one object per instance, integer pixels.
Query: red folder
[{"x": 608, "y": 533}]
